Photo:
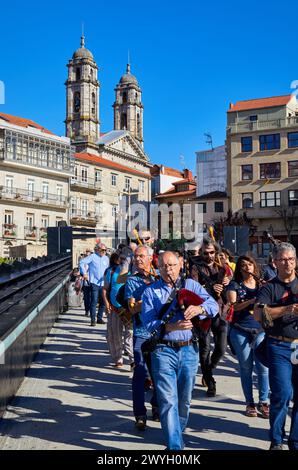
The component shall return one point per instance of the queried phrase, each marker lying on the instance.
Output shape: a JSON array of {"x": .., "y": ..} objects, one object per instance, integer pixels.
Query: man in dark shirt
[
  {"x": 277, "y": 308},
  {"x": 213, "y": 277}
]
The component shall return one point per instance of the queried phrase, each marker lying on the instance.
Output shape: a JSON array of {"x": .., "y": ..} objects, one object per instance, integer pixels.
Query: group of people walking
[{"x": 176, "y": 313}]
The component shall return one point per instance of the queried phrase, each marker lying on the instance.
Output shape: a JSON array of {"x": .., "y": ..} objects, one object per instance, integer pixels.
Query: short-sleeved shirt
[
  {"x": 156, "y": 295},
  {"x": 244, "y": 317},
  {"x": 111, "y": 276},
  {"x": 277, "y": 293},
  {"x": 134, "y": 287}
]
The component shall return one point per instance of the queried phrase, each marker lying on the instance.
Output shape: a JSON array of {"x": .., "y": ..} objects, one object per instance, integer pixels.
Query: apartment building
[
  {"x": 35, "y": 169},
  {"x": 262, "y": 155}
]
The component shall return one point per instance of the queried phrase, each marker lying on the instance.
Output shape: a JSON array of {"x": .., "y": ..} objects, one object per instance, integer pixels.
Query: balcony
[
  {"x": 86, "y": 185},
  {"x": 251, "y": 126},
  {"x": 81, "y": 217},
  {"x": 30, "y": 233},
  {"x": 36, "y": 198},
  {"x": 9, "y": 231}
]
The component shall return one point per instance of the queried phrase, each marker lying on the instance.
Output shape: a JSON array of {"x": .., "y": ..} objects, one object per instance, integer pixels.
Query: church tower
[
  {"x": 82, "y": 99},
  {"x": 128, "y": 108}
]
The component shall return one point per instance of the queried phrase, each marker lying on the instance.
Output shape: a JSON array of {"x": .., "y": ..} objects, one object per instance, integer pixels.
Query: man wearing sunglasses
[
  {"x": 277, "y": 309},
  {"x": 213, "y": 277}
]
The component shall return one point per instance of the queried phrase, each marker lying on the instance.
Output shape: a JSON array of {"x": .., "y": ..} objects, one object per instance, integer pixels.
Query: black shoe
[
  {"x": 101, "y": 322},
  {"x": 140, "y": 423},
  {"x": 93, "y": 323},
  {"x": 276, "y": 446},
  {"x": 87, "y": 314},
  {"x": 211, "y": 390},
  {"x": 155, "y": 414}
]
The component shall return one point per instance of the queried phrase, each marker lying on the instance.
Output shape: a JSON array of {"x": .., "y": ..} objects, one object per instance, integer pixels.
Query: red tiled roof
[
  {"x": 18, "y": 121},
  {"x": 89, "y": 157},
  {"x": 156, "y": 170},
  {"x": 260, "y": 103},
  {"x": 184, "y": 180},
  {"x": 174, "y": 193}
]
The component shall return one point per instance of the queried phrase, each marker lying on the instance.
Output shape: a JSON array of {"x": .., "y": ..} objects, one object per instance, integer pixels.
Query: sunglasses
[
  {"x": 146, "y": 239},
  {"x": 209, "y": 253}
]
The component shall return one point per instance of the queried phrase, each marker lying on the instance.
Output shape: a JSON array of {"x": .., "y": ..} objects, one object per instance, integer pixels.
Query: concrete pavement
[{"x": 73, "y": 398}]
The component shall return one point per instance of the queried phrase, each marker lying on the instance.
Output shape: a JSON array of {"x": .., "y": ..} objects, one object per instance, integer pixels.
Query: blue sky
[{"x": 191, "y": 59}]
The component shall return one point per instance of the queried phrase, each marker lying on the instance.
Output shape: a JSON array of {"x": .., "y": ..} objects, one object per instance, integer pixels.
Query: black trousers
[{"x": 208, "y": 358}]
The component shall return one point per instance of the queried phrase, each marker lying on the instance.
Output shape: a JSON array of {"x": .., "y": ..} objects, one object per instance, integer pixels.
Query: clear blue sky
[{"x": 191, "y": 59}]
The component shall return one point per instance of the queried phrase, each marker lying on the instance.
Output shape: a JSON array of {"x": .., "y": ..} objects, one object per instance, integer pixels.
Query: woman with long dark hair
[{"x": 245, "y": 334}]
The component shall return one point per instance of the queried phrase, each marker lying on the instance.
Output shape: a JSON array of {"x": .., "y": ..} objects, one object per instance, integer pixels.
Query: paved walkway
[{"x": 72, "y": 398}]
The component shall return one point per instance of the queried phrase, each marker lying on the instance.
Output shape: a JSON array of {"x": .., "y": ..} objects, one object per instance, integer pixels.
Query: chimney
[{"x": 187, "y": 174}]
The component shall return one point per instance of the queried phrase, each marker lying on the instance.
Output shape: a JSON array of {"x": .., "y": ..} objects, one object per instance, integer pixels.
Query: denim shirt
[
  {"x": 156, "y": 295},
  {"x": 135, "y": 287}
]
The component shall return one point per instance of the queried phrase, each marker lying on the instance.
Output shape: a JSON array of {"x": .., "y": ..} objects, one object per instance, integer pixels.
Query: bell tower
[
  {"x": 128, "y": 108},
  {"x": 82, "y": 99}
]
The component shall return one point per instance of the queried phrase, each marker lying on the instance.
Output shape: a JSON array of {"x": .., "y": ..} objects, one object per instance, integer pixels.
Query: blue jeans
[
  {"x": 246, "y": 358},
  {"x": 96, "y": 295},
  {"x": 87, "y": 297},
  {"x": 283, "y": 377},
  {"x": 140, "y": 373},
  {"x": 174, "y": 372}
]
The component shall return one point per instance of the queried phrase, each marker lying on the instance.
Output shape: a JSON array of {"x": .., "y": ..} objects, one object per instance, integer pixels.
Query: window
[
  {"x": 44, "y": 221},
  {"x": 218, "y": 206},
  {"x": 30, "y": 188},
  {"x": 141, "y": 186},
  {"x": 123, "y": 121},
  {"x": 246, "y": 172},
  {"x": 98, "y": 208},
  {"x": 246, "y": 144},
  {"x": 292, "y": 168},
  {"x": 30, "y": 220},
  {"x": 247, "y": 200},
  {"x": 77, "y": 102},
  {"x": 73, "y": 206},
  {"x": 45, "y": 191},
  {"x": 58, "y": 219},
  {"x": 93, "y": 103},
  {"x": 124, "y": 97},
  {"x": 293, "y": 198},
  {"x": 138, "y": 125},
  {"x": 98, "y": 177},
  {"x": 253, "y": 118},
  {"x": 269, "y": 170},
  {"x": 9, "y": 184},
  {"x": 59, "y": 192},
  {"x": 270, "y": 199},
  {"x": 113, "y": 179},
  {"x": 202, "y": 208},
  {"x": 269, "y": 142},
  {"x": 8, "y": 218},
  {"x": 84, "y": 207},
  {"x": 78, "y": 74},
  {"x": 127, "y": 184},
  {"x": 84, "y": 174},
  {"x": 292, "y": 139}
]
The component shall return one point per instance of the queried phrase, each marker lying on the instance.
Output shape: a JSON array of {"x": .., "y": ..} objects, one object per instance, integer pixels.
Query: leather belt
[
  {"x": 285, "y": 339},
  {"x": 176, "y": 344}
]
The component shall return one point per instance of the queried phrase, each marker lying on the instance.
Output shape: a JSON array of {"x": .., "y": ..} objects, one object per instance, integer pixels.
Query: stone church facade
[{"x": 112, "y": 171}]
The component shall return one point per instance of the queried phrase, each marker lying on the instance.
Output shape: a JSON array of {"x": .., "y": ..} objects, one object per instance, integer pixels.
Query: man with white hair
[
  {"x": 175, "y": 358},
  {"x": 277, "y": 309}
]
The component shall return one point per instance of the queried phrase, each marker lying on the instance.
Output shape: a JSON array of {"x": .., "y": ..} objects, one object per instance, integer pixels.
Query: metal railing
[
  {"x": 88, "y": 183},
  {"x": 246, "y": 126},
  {"x": 26, "y": 195}
]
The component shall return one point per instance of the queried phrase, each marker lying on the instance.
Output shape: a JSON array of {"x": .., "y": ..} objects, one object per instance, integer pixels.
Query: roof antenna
[
  {"x": 128, "y": 62},
  {"x": 182, "y": 161},
  {"x": 209, "y": 140}
]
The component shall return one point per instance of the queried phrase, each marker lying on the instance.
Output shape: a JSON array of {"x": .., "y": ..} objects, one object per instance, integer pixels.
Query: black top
[
  {"x": 244, "y": 317},
  {"x": 276, "y": 294}
]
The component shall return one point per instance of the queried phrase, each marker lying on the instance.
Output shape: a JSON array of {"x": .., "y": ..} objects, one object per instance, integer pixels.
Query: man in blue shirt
[
  {"x": 175, "y": 359},
  {"x": 134, "y": 288},
  {"x": 97, "y": 263}
]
